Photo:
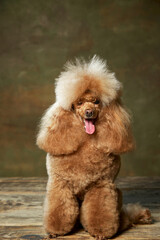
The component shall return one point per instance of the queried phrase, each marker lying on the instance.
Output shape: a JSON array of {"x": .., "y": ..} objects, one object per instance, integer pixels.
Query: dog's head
[
  {"x": 90, "y": 91},
  {"x": 87, "y": 107},
  {"x": 86, "y": 87}
]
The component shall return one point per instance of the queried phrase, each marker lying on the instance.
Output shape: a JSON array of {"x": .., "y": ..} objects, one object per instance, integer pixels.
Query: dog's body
[{"x": 84, "y": 133}]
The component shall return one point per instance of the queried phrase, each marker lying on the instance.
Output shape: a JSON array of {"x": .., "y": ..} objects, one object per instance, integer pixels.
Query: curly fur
[
  {"x": 79, "y": 77},
  {"x": 82, "y": 167}
]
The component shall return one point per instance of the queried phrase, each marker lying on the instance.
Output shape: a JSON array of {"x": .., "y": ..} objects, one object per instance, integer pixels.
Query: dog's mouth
[{"x": 89, "y": 126}]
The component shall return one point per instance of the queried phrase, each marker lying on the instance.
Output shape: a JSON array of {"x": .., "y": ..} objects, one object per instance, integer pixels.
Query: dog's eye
[
  {"x": 72, "y": 107},
  {"x": 79, "y": 103},
  {"x": 96, "y": 101}
]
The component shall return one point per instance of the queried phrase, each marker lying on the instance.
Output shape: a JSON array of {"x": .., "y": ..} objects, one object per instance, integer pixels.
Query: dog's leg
[
  {"x": 61, "y": 209},
  {"x": 99, "y": 212}
]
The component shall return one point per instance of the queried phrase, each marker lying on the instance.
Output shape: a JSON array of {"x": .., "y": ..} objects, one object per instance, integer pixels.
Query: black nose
[{"x": 89, "y": 113}]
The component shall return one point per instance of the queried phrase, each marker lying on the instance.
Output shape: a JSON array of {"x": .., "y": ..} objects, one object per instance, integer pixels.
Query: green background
[{"x": 37, "y": 37}]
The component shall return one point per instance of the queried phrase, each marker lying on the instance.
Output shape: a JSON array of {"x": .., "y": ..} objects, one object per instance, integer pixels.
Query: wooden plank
[
  {"x": 21, "y": 209},
  {"x": 26, "y": 209},
  {"x": 139, "y": 232},
  {"x": 23, "y": 185},
  {"x": 138, "y": 182},
  {"x": 39, "y": 184},
  {"x": 21, "y": 204}
]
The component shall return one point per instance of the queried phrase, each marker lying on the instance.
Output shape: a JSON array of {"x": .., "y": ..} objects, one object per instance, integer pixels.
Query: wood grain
[{"x": 21, "y": 208}]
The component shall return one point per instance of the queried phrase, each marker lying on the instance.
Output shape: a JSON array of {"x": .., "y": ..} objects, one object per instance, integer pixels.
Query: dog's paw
[
  {"x": 52, "y": 235},
  {"x": 97, "y": 237}
]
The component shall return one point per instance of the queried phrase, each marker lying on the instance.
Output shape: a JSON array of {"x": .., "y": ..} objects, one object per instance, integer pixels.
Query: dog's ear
[
  {"x": 114, "y": 129},
  {"x": 60, "y": 131}
]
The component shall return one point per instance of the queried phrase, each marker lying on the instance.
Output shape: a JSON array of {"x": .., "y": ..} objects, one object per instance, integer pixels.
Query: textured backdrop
[{"x": 37, "y": 37}]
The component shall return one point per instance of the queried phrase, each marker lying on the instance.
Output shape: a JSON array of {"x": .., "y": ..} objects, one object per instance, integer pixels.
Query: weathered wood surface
[{"x": 21, "y": 204}]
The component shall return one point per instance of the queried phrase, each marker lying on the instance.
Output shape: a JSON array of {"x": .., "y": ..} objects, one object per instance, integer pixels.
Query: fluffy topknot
[{"x": 80, "y": 76}]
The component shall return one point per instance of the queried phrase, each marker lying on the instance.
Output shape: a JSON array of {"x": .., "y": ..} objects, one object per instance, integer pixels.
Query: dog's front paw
[
  {"x": 52, "y": 235},
  {"x": 97, "y": 237}
]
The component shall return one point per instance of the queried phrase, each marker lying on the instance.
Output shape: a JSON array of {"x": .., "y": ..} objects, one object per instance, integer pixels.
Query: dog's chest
[{"x": 85, "y": 166}]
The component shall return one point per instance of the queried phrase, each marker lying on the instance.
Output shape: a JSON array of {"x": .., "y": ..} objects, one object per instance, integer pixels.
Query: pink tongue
[{"x": 89, "y": 126}]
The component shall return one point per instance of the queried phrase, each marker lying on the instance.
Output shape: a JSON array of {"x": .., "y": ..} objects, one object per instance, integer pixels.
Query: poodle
[{"x": 84, "y": 132}]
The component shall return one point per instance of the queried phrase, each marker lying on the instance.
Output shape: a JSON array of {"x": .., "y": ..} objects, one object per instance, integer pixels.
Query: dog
[{"x": 84, "y": 132}]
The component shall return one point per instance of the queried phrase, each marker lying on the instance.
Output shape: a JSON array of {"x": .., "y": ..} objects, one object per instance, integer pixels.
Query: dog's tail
[{"x": 134, "y": 214}]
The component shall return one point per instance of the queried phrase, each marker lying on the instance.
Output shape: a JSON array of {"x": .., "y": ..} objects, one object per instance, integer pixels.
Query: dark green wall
[{"x": 37, "y": 37}]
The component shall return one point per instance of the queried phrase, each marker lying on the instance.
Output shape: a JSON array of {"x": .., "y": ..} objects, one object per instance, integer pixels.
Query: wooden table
[{"x": 21, "y": 204}]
